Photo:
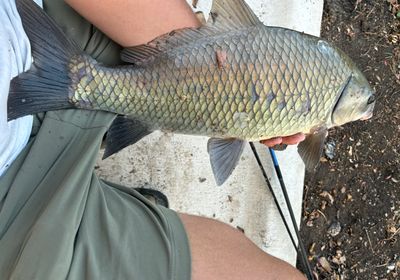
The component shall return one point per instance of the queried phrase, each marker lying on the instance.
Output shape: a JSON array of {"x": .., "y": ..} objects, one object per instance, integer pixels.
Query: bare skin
[
  {"x": 138, "y": 21},
  {"x": 288, "y": 140},
  {"x": 218, "y": 251},
  {"x": 222, "y": 252}
]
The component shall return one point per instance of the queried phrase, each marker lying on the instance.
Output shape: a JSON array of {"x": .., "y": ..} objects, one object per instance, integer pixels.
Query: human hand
[{"x": 287, "y": 140}]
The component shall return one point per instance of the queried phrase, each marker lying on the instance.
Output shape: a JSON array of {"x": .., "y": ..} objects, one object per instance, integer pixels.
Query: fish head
[{"x": 356, "y": 100}]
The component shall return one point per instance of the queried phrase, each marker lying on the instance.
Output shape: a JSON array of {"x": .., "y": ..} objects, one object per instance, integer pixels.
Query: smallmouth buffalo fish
[{"x": 233, "y": 79}]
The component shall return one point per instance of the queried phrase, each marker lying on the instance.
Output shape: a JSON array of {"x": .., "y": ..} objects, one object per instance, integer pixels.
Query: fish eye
[{"x": 371, "y": 99}]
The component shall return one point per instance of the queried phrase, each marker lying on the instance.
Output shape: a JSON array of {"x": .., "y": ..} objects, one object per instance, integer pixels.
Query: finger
[
  {"x": 272, "y": 142},
  {"x": 293, "y": 139}
]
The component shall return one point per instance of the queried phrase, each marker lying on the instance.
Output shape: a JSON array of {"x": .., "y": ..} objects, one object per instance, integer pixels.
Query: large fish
[{"x": 234, "y": 79}]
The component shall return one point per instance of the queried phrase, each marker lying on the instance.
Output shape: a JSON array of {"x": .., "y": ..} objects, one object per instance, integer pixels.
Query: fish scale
[{"x": 279, "y": 93}]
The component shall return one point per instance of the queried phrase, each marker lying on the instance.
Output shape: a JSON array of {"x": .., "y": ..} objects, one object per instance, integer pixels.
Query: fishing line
[
  {"x": 300, "y": 248},
  {"x": 273, "y": 194}
]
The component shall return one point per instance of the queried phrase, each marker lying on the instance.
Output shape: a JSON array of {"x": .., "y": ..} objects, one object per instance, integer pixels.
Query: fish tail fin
[{"x": 45, "y": 86}]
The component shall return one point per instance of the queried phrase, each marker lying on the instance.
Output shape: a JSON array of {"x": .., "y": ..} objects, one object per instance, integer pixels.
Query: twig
[
  {"x": 382, "y": 265},
  {"x": 369, "y": 240},
  {"x": 319, "y": 211},
  {"x": 393, "y": 235}
]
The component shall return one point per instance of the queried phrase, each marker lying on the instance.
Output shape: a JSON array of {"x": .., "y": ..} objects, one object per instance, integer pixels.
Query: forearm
[{"x": 138, "y": 21}]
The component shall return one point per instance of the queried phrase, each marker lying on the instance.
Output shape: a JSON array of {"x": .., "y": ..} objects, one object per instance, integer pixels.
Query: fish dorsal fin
[
  {"x": 224, "y": 156},
  {"x": 232, "y": 14},
  {"x": 139, "y": 55},
  {"x": 225, "y": 15},
  {"x": 143, "y": 54},
  {"x": 123, "y": 132},
  {"x": 311, "y": 149}
]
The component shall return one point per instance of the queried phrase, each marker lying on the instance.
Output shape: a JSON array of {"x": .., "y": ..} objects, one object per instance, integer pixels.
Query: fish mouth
[
  {"x": 367, "y": 116},
  {"x": 369, "y": 113}
]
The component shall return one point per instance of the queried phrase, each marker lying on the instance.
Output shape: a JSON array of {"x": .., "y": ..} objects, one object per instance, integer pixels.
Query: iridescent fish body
[{"x": 233, "y": 79}]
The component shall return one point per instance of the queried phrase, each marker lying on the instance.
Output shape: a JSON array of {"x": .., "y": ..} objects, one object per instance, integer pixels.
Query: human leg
[{"x": 222, "y": 252}]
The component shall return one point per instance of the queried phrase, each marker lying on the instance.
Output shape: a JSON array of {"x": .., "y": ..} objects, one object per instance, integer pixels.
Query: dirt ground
[{"x": 351, "y": 212}]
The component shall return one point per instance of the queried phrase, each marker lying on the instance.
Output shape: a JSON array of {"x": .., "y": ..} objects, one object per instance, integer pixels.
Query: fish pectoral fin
[
  {"x": 123, "y": 132},
  {"x": 311, "y": 149},
  {"x": 224, "y": 156},
  {"x": 232, "y": 14}
]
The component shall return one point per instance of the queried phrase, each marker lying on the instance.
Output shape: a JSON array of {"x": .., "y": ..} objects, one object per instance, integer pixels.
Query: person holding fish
[{"x": 59, "y": 220}]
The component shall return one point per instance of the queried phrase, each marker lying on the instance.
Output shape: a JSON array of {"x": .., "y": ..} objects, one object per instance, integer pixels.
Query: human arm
[{"x": 138, "y": 21}]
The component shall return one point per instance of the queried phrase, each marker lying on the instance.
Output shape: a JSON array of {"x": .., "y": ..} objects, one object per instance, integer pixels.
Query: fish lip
[
  {"x": 367, "y": 116},
  {"x": 340, "y": 96}
]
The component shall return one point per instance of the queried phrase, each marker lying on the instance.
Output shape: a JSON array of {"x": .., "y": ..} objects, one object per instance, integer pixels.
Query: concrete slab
[{"x": 178, "y": 165}]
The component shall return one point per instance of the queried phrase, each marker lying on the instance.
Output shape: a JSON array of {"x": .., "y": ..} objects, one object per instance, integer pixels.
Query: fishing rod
[{"x": 300, "y": 248}]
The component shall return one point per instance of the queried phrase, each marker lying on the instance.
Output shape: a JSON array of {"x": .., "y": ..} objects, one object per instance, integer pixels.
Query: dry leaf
[
  {"x": 312, "y": 249},
  {"x": 325, "y": 264},
  {"x": 327, "y": 195}
]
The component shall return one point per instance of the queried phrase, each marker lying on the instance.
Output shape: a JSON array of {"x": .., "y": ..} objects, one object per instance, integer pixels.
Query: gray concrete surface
[{"x": 178, "y": 165}]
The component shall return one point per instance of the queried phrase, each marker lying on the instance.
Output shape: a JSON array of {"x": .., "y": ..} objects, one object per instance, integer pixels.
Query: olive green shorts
[{"x": 58, "y": 220}]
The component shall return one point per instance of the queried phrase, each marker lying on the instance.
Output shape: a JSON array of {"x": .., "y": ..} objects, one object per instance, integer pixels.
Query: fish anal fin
[
  {"x": 224, "y": 156},
  {"x": 123, "y": 132},
  {"x": 311, "y": 149}
]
